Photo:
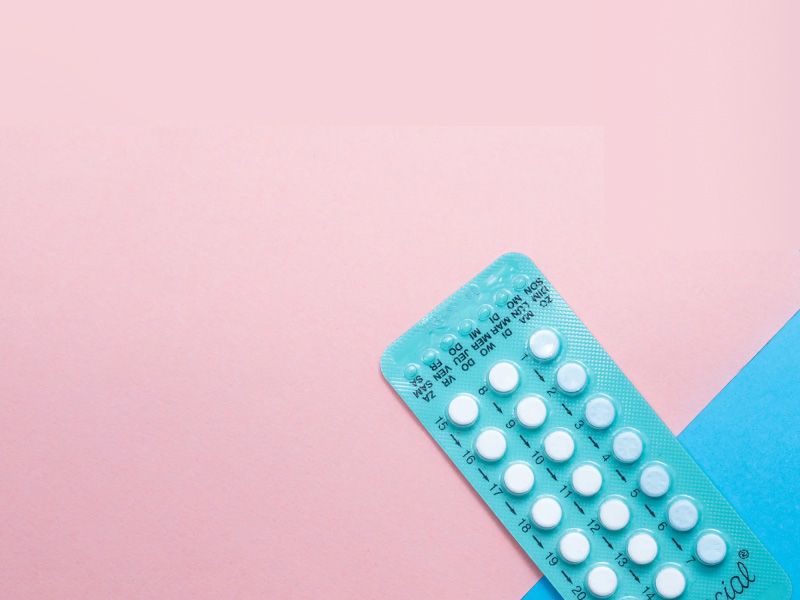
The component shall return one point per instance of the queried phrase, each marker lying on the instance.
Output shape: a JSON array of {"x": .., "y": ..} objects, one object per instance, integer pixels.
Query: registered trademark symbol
[{"x": 743, "y": 554}]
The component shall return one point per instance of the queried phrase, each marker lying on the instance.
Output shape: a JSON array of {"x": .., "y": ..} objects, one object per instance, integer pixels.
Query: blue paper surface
[{"x": 748, "y": 442}]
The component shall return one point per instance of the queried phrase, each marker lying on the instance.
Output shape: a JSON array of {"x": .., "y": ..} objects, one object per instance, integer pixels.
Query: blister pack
[{"x": 567, "y": 454}]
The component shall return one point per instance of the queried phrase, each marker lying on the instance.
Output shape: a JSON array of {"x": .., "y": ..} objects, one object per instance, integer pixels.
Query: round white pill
[
  {"x": 462, "y": 410},
  {"x": 627, "y": 446},
  {"x": 614, "y": 514},
  {"x": 531, "y": 411},
  {"x": 602, "y": 581},
  {"x": 600, "y": 412},
  {"x": 544, "y": 344},
  {"x": 559, "y": 445},
  {"x": 654, "y": 481},
  {"x": 711, "y": 549},
  {"x": 642, "y": 548},
  {"x": 682, "y": 515},
  {"x": 504, "y": 377},
  {"x": 587, "y": 480},
  {"x": 490, "y": 444},
  {"x": 546, "y": 513},
  {"x": 571, "y": 377},
  {"x": 670, "y": 582},
  {"x": 574, "y": 547},
  {"x": 518, "y": 479}
]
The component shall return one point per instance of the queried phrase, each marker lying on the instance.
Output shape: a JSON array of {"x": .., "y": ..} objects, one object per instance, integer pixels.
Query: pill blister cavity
[
  {"x": 654, "y": 481},
  {"x": 519, "y": 282},
  {"x": 484, "y": 312},
  {"x": 447, "y": 341},
  {"x": 490, "y": 445},
  {"x": 546, "y": 512},
  {"x": 531, "y": 411},
  {"x": 627, "y": 446},
  {"x": 411, "y": 371},
  {"x": 501, "y": 297},
  {"x": 670, "y": 582},
  {"x": 571, "y": 377},
  {"x": 463, "y": 410},
  {"x": 600, "y": 412},
  {"x": 559, "y": 445},
  {"x": 574, "y": 547},
  {"x": 466, "y": 326},
  {"x": 614, "y": 514},
  {"x": 544, "y": 344},
  {"x": 587, "y": 480},
  {"x": 682, "y": 514},
  {"x": 504, "y": 377},
  {"x": 429, "y": 356},
  {"x": 602, "y": 581},
  {"x": 711, "y": 548},
  {"x": 518, "y": 479},
  {"x": 642, "y": 548}
]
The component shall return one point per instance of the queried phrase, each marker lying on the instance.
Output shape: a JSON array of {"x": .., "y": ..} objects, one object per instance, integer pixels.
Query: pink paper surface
[{"x": 191, "y": 315}]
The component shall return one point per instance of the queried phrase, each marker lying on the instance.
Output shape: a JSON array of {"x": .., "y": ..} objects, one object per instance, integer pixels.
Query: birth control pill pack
[{"x": 567, "y": 454}]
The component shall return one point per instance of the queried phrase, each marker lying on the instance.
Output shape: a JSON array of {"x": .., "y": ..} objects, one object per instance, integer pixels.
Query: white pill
[
  {"x": 600, "y": 412},
  {"x": 504, "y": 377},
  {"x": 559, "y": 445},
  {"x": 490, "y": 444},
  {"x": 531, "y": 411},
  {"x": 682, "y": 515},
  {"x": 574, "y": 547},
  {"x": 571, "y": 377},
  {"x": 546, "y": 513},
  {"x": 544, "y": 344},
  {"x": 614, "y": 514},
  {"x": 670, "y": 582},
  {"x": 711, "y": 549},
  {"x": 463, "y": 410},
  {"x": 654, "y": 481},
  {"x": 602, "y": 581},
  {"x": 627, "y": 446},
  {"x": 587, "y": 480},
  {"x": 642, "y": 548},
  {"x": 518, "y": 479}
]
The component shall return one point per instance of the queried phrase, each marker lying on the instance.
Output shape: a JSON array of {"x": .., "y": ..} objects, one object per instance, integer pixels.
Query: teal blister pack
[{"x": 567, "y": 454}]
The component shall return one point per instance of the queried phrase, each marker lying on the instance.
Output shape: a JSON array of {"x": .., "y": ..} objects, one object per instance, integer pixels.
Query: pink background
[{"x": 191, "y": 314}]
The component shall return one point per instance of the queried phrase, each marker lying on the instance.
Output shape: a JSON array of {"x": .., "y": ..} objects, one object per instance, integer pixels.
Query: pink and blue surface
[{"x": 191, "y": 313}]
